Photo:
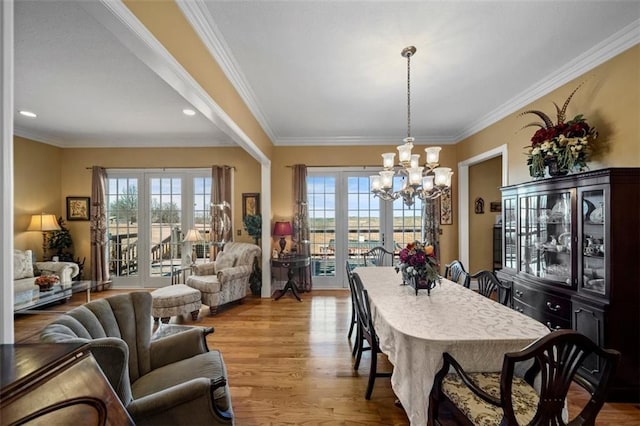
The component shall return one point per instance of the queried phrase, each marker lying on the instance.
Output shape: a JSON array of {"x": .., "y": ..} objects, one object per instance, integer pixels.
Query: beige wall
[
  {"x": 610, "y": 101},
  {"x": 484, "y": 181},
  {"x": 37, "y": 183}
]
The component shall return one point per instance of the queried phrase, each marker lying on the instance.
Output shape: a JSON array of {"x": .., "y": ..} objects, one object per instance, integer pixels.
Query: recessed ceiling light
[
  {"x": 188, "y": 112},
  {"x": 28, "y": 113}
]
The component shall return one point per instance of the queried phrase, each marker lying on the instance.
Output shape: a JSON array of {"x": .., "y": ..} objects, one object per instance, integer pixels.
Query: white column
[
  {"x": 6, "y": 171},
  {"x": 265, "y": 211}
]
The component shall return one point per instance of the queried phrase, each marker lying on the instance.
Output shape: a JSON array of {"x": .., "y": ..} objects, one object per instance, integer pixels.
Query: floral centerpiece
[
  {"x": 561, "y": 147},
  {"x": 418, "y": 265},
  {"x": 45, "y": 282}
]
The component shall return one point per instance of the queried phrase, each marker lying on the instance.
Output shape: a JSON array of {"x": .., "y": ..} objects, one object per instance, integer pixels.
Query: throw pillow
[
  {"x": 224, "y": 261},
  {"x": 22, "y": 264}
]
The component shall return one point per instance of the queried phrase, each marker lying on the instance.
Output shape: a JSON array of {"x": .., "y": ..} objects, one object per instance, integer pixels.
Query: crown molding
[
  {"x": 37, "y": 136},
  {"x": 610, "y": 47},
  {"x": 358, "y": 140},
  {"x": 197, "y": 14},
  {"x": 93, "y": 141}
]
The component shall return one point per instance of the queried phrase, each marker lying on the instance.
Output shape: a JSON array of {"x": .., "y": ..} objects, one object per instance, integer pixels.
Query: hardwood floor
[{"x": 290, "y": 362}]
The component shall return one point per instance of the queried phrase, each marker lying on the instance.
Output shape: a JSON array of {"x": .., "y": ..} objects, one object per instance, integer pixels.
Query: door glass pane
[
  {"x": 593, "y": 241},
  {"x": 165, "y": 225},
  {"x": 202, "y": 216},
  {"x": 407, "y": 220},
  {"x": 545, "y": 237},
  {"x": 363, "y": 219},
  {"x": 122, "y": 214},
  {"x": 509, "y": 256},
  {"x": 321, "y": 193}
]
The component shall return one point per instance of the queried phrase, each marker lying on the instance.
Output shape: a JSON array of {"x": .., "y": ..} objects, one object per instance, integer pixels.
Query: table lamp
[
  {"x": 193, "y": 236},
  {"x": 282, "y": 229},
  {"x": 44, "y": 223}
]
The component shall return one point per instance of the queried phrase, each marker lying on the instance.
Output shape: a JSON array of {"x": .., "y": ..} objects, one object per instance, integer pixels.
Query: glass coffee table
[{"x": 60, "y": 294}]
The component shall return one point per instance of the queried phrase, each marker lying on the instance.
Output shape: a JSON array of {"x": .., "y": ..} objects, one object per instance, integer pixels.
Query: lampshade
[
  {"x": 282, "y": 228},
  {"x": 192, "y": 236},
  {"x": 43, "y": 222}
]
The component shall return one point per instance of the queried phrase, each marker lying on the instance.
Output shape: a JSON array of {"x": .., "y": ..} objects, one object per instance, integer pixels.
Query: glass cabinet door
[
  {"x": 509, "y": 257},
  {"x": 594, "y": 240},
  {"x": 545, "y": 236}
]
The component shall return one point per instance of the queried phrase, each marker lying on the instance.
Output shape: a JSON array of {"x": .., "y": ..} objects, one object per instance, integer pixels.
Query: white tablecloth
[{"x": 414, "y": 331}]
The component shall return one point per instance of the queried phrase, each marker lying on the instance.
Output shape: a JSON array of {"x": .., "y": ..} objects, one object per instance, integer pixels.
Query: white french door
[
  {"x": 345, "y": 221},
  {"x": 149, "y": 213}
]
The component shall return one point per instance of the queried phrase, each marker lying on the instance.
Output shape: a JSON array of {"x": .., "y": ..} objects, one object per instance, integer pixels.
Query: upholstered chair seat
[{"x": 481, "y": 413}]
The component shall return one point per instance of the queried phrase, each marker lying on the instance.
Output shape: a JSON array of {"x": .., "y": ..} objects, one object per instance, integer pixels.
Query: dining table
[{"x": 416, "y": 329}]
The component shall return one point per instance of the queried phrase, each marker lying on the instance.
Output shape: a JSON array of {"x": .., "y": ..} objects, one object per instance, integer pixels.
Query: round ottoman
[{"x": 175, "y": 300}]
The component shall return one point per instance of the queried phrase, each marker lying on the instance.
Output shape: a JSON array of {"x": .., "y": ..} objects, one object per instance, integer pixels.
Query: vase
[
  {"x": 421, "y": 283},
  {"x": 554, "y": 169}
]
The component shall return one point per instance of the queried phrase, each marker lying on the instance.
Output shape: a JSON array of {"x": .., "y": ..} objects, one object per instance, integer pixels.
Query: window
[
  {"x": 345, "y": 221},
  {"x": 149, "y": 213}
]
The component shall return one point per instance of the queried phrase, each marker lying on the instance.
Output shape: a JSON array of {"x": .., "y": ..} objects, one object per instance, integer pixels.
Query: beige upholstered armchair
[
  {"x": 173, "y": 380},
  {"x": 226, "y": 279}
]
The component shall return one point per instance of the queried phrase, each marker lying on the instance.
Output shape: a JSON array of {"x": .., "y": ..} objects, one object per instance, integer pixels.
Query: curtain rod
[
  {"x": 162, "y": 168},
  {"x": 377, "y": 166}
]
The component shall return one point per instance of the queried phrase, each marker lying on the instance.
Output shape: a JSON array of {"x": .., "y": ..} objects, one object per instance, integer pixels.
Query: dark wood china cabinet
[{"x": 571, "y": 250}]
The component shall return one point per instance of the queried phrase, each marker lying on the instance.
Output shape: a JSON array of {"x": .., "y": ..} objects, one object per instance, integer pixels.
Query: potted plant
[
  {"x": 60, "y": 241},
  {"x": 253, "y": 225}
]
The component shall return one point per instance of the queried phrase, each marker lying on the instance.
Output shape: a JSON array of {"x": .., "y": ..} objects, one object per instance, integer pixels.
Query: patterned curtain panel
[
  {"x": 301, "y": 222},
  {"x": 98, "y": 226},
  {"x": 221, "y": 214},
  {"x": 431, "y": 224}
]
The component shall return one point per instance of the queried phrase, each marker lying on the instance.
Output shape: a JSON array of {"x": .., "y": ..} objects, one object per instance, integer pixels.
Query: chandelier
[{"x": 426, "y": 183}]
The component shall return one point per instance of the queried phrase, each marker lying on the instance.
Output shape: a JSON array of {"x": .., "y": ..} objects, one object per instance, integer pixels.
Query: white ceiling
[{"x": 315, "y": 72}]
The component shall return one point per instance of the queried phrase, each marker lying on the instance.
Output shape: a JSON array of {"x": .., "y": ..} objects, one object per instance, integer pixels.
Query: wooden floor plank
[{"x": 290, "y": 362}]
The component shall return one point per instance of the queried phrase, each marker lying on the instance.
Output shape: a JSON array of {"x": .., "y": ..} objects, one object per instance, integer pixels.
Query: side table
[{"x": 292, "y": 263}]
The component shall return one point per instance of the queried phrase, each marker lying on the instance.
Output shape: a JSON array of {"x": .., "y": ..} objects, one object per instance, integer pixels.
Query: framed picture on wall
[
  {"x": 78, "y": 208},
  {"x": 250, "y": 204},
  {"x": 446, "y": 213}
]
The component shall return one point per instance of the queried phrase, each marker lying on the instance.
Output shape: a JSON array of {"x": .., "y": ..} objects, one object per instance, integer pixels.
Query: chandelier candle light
[{"x": 428, "y": 182}]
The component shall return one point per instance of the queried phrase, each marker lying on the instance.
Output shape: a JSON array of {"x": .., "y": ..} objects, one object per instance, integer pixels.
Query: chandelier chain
[{"x": 409, "y": 95}]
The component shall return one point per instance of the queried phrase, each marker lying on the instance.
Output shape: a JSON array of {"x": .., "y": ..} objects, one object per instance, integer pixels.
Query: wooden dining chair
[
  {"x": 368, "y": 333},
  {"x": 455, "y": 272},
  {"x": 488, "y": 283},
  {"x": 376, "y": 257},
  {"x": 505, "y": 399},
  {"x": 354, "y": 318}
]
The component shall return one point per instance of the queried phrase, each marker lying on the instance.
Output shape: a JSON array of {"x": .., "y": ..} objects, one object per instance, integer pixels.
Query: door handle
[
  {"x": 550, "y": 326},
  {"x": 552, "y": 307}
]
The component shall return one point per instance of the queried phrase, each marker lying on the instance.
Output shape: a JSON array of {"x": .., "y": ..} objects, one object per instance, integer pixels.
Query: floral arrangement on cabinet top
[{"x": 562, "y": 147}]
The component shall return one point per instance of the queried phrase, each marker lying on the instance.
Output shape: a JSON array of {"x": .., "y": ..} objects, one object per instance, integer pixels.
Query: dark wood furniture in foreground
[
  {"x": 571, "y": 249},
  {"x": 56, "y": 384},
  {"x": 558, "y": 355},
  {"x": 291, "y": 263}
]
